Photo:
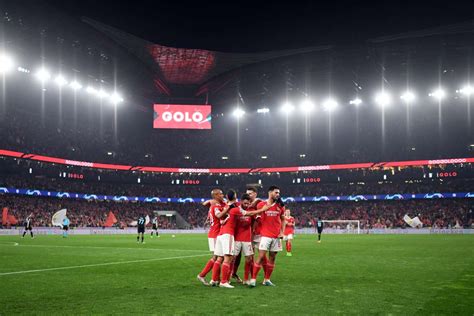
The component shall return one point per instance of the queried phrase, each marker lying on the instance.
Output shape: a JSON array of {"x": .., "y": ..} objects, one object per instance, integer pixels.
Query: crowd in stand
[{"x": 374, "y": 214}]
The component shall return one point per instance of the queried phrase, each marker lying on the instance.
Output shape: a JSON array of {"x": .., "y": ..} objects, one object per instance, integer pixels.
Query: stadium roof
[{"x": 184, "y": 66}]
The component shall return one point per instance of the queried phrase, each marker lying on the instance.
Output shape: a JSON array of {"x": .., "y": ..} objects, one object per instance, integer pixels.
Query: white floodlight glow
[
  {"x": 383, "y": 98},
  {"x": 264, "y": 157},
  {"x": 102, "y": 94},
  {"x": 60, "y": 80},
  {"x": 302, "y": 155},
  {"x": 75, "y": 85},
  {"x": 115, "y": 98},
  {"x": 263, "y": 110},
  {"x": 225, "y": 158},
  {"x": 23, "y": 70},
  {"x": 43, "y": 75},
  {"x": 467, "y": 90},
  {"x": 238, "y": 113},
  {"x": 356, "y": 102},
  {"x": 330, "y": 104},
  {"x": 307, "y": 105},
  {"x": 408, "y": 97},
  {"x": 91, "y": 90},
  {"x": 438, "y": 94},
  {"x": 287, "y": 108},
  {"x": 6, "y": 64}
]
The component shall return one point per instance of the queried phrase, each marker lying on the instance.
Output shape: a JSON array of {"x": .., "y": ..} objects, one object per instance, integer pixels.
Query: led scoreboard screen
[{"x": 177, "y": 116}]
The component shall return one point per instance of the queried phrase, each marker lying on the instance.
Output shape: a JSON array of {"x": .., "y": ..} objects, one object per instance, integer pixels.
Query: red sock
[
  {"x": 264, "y": 263},
  {"x": 226, "y": 270},
  {"x": 288, "y": 246},
  {"x": 247, "y": 270},
  {"x": 255, "y": 270},
  {"x": 216, "y": 270},
  {"x": 268, "y": 273},
  {"x": 207, "y": 268}
]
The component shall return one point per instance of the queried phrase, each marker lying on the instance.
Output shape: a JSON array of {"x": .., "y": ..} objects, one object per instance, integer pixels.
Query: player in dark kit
[
  {"x": 28, "y": 226},
  {"x": 141, "y": 228},
  {"x": 319, "y": 227},
  {"x": 155, "y": 227}
]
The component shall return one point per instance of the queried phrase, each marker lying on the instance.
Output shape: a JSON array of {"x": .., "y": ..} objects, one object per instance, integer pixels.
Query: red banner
[
  {"x": 4, "y": 216},
  {"x": 111, "y": 220},
  {"x": 178, "y": 116},
  {"x": 12, "y": 219}
]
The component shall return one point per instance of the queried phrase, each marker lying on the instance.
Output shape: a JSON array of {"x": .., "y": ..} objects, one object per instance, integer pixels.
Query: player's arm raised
[
  {"x": 226, "y": 209},
  {"x": 283, "y": 225},
  {"x": 256, "y": 212}
]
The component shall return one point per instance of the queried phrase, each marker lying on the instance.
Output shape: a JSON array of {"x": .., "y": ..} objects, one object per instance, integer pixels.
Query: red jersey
[
  {"x": 229, "y": 224},
  {"x": 243, "y": 230},
  {"x": 258, "y": 225},
  {"x": 213, "y": 220},
  {"x": 290, "y": 225},
  {"x": 271, "y": 220}
]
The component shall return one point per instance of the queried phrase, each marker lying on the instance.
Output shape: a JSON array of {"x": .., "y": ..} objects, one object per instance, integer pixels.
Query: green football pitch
[{"x": 345, "y": 274}]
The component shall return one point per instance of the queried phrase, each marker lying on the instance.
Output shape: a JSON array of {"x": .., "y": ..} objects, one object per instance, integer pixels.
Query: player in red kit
[
  {"x": 243, "y": 238},
  {"x": 289, "y": 231},
  {"x": 252, "y": 192},
  {"x": 225, "y": 243},
  {"x": 273, "y": 225},
  {"x": 215, "y": 208}
]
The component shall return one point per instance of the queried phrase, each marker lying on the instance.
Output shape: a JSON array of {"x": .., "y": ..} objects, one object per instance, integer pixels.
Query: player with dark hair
[
  {"x": 252, "y": 193},
  {"x": 273, "y": 225},
  {"x": 319, "y": 228},
  {"x": 243, "y": 240},
  {"x": 154, "y": 227},
  {"x": 141, "y": 222},
  {"x": 216, "y": 206},
  {"x": 28, "y": 226}
]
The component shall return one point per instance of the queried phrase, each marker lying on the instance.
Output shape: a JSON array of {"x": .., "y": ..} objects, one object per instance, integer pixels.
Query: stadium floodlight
[
  {"x": 408, "y": 97},
  {"x": 438, "y": 94},
  {"x": 302, "y": 155},
  {"x": 330, "y": 104},
  {"x": 43, "y": 75},
  {"x": 91, "y": 90},
  {"x": 356, "y": 102},
  {"x": 263, "y": 110},
  {"x": 264, "y": 157},
  {"x": 23, "y": 70},
  {"x": 6, "y": 64},
  {"x": 238, "y": 113},
  {"x": 383, "y": 98},
  {"x": 225, "y": 158},
  {"x": 60, "y": 80},
  {"x": 102, "y": 94},
  {"x": 307, "y": 106},
  {"x": 287, "y": 108},
  {"x": 467, "y": 90},
  {"x": 75, "y": 85},
  {"x": 115, "y": 98}
]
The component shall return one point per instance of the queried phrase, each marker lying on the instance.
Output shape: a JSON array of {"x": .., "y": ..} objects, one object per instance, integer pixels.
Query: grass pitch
[{"x": 345, "y": 274}]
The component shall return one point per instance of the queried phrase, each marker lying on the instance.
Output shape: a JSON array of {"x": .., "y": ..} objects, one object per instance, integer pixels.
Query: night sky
[{"x": 250, "y": 26}]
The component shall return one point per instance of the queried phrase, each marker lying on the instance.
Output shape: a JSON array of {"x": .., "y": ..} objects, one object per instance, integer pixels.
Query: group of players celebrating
[{"x": 244, "y": 228}]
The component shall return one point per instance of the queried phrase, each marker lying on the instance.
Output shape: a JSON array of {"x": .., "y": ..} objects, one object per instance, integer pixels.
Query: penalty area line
[{"x": 100, "y": 264}]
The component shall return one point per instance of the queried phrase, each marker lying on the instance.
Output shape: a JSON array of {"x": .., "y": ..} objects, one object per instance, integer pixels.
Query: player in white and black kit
[
  {"x": 319, "y": 227},
  {"x": 28, "y": 226},
  {"x": 141, "y": 228},
  {"x": 155, "y": 227}
]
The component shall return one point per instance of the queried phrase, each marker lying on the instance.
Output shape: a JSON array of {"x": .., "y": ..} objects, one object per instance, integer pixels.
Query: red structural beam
[{"x": 366, "y": 165}]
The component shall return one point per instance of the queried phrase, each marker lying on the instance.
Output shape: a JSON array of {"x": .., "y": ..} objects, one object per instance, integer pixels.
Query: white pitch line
[
  {"x": 99, "y": 264},
  {"x": 99, "y": 247}
]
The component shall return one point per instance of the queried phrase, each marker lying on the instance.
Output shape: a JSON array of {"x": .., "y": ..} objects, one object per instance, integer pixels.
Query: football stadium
[{"x": 271, "y": 158}]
